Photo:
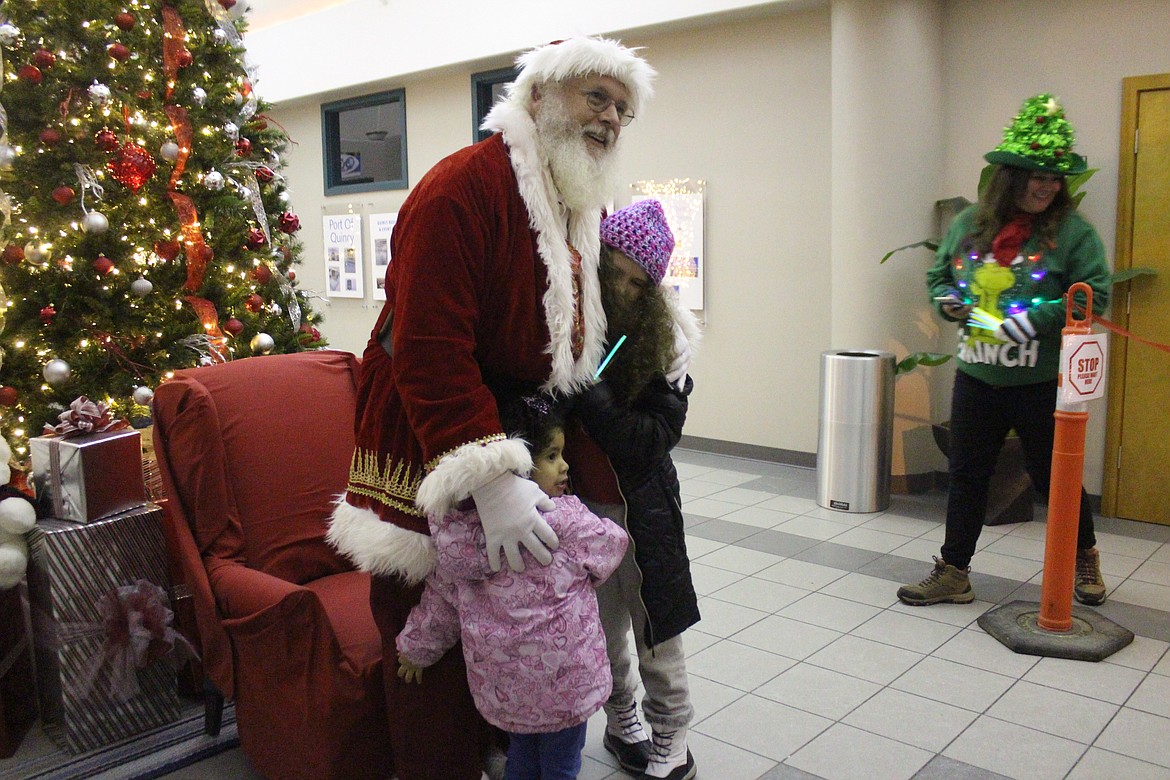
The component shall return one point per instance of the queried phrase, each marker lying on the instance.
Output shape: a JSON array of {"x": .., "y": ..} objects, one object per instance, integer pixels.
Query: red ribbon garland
[
  {"x": 197, "y": 252},
  {"x": 1113, "y": 326},
  {"x": 184, "y": 136},
  {"x": 173, "y": 46}
]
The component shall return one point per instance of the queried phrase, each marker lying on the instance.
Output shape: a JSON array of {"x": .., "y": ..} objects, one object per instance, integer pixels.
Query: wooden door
[{"x": 1137, "y": 455}]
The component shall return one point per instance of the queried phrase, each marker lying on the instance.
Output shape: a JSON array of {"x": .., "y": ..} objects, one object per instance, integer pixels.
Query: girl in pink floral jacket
[{"x": 532, "y": 640}]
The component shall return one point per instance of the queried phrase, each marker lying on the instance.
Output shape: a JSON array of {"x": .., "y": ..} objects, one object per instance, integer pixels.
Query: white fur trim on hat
[
  {"x": 581, "y": 56},
  {"x": 378, "y": 547},
  {"x": 467, "y": 468}
]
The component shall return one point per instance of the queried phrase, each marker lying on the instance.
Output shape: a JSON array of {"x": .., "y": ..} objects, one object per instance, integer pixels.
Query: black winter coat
[{"x": 638, "y": 440}]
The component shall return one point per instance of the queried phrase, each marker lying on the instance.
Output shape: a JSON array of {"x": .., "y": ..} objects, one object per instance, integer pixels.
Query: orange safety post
[{"x": 1064, "y": 487}]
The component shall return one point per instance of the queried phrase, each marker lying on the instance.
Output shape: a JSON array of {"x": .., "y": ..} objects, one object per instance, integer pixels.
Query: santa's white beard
[{"x": 584, "y": 181}]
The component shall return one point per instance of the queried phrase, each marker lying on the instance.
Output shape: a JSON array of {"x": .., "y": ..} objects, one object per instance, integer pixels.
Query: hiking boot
[
  {"x": 669, "y": 758},
  {"x": 945, "y": 583},
  {"x": 1090, "y": 587},
  {"x": 626, "y": 739}
]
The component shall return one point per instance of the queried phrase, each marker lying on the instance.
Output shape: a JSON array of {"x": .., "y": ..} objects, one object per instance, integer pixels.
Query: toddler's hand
[{"x": 409, "y": 672}]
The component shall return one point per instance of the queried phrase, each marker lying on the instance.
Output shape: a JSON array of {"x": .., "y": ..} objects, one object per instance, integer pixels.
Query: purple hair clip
[{"x": 537, "y": 404}]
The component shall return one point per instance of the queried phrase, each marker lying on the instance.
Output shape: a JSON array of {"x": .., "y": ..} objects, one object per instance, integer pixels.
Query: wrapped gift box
[
  {"x": 18, "y": 707},
  {"x": 85, "y": 478},
  {"x": 74, "y": 570}
]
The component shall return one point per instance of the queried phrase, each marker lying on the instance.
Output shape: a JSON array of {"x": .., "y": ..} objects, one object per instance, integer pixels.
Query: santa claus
[{"x": 492, "y": 292}]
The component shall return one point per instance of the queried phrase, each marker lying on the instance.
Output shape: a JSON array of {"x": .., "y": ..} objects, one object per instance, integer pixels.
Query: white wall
[
  {"x": 825, "y": 133},
  {"x": 365, "y": 41}
]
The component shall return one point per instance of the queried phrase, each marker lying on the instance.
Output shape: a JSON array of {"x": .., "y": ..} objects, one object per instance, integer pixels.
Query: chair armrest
[{"x": 241, "y": 591}]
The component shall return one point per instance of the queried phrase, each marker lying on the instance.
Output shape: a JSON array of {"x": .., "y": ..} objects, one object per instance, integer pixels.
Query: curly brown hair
[
  {"x": 997, "y": 206},
  {"x": 647, "y": 324}
]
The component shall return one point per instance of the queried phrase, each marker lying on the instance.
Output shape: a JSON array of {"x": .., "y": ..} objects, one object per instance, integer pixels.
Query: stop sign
[{"x": 1085, "y": 368}]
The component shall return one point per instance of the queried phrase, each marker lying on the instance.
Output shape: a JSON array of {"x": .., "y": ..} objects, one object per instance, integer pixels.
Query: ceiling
[{"x": 265, "y": 13}]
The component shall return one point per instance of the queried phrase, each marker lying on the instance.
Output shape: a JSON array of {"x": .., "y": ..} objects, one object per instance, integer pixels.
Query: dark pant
[
  {"x": 552, "y": 756},
  {"x": 981, "y": 417},
  {"x": 435, "y": 731}
]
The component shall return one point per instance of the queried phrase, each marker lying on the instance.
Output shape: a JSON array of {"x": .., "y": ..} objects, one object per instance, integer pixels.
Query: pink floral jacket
[{"x": 532, "y": 640}]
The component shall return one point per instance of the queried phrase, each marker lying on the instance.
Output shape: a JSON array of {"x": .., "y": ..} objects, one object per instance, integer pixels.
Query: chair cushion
[{"x": 260, "y": 448}]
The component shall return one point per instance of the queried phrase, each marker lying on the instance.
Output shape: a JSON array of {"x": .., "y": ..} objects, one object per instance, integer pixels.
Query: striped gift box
[{"x": 72, "y": 568}]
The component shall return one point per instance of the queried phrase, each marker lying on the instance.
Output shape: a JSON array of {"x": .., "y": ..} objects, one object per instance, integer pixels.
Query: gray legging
[{"x": 667, "y": 703}]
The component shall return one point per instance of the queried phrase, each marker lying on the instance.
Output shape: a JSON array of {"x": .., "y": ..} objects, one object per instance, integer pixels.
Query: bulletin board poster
[
  {"x": 343, "y": 256},
  {"x": 682, "y": 202},
  {"x": 381, "y": 226}
]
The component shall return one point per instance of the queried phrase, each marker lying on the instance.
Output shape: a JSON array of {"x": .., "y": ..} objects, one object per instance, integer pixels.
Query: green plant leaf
[
  {"x": 1125, "y": 274},
  {"x": 916, "y": 359},
  {"x": 931, "y": 244}
]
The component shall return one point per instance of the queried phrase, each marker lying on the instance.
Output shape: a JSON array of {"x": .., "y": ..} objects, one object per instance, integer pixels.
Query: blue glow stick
[{"x": 609, "y": 357}]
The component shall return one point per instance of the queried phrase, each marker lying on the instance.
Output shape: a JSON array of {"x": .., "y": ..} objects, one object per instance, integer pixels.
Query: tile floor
[{"x": 805, "y": 664}]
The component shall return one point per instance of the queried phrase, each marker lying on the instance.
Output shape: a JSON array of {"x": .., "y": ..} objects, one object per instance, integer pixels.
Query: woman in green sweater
[{"x": 1013, "y": 255}]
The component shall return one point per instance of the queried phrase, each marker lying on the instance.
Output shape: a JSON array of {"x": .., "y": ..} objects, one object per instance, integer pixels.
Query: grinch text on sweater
[{"x": 999, "y": 353}]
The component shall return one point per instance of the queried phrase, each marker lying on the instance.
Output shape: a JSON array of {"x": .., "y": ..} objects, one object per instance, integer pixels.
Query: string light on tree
[{"x": 120, "y": 133}]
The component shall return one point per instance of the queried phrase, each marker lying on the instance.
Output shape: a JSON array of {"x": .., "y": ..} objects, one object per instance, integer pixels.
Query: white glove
[
  {"x": 508, "y": 513},
  {"x": 676, "y": 373},
  {"x": 1017, "y": 328}
]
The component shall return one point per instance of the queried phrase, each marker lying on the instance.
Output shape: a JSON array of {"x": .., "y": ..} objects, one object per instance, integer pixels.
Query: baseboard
[{"x": 806, "y": 460}]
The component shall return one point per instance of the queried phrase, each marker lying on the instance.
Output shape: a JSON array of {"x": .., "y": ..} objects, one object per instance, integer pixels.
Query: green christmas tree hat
[{"x": 1039, "y": 139}]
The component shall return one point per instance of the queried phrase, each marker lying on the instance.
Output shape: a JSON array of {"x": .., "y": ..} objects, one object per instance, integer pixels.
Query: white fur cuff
[
  {"x": 378, "y": 547},
  {"x": 466, "y": 469}
]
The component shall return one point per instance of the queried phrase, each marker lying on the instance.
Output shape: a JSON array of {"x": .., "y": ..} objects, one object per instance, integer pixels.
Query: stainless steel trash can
[{"x": 856, "y": 430}]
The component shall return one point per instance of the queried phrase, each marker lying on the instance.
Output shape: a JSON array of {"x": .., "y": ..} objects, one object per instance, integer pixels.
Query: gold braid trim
[
  {"x": 434, "y": 462},
  {"x": 395, "y": 485}
]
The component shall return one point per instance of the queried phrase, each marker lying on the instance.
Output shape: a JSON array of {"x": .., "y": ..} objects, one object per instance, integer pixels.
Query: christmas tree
[{"x": 144, "y": 223}]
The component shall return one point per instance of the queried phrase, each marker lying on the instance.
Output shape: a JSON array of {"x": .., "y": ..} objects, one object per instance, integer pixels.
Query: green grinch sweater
[{"x": 1034, "y": 282}]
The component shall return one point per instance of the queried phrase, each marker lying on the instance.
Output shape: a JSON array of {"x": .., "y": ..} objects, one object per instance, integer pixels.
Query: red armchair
[{"x": 253, "y": 454}]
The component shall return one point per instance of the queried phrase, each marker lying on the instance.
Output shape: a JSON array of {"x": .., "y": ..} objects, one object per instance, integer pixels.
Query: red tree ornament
[
  {"x": 243, "y": 147},
  {"x": 264, "y": 174},
  {"x": 9, "y": 396},
  {"x": 119, "y": 51},
  {"x": 125, "y": 21},
  {"x": 256, "y": 239},
  {"x": 44, "y": 59},
  {"x": 132, "y": 167},
  {"x": 262, "y": 273},
  {"x": 185, "y": 58},
  {"x": 233, "y": 327},
  {"x": 30, "y": 73},
  {"x": 103, "y": 265},
  {"x": 308, "y": 334},
  {"x": 167, "y": 249},
  {"x": 50, "y": 136},
  {"x": 254, "y": 303},
  {"x": 63, "y": 194},
  {"x": 289, "y": 223},
  {"x": 227, "y": 4},
  {"x": 12, "y": 254},
  {"x": 292, "y": 275},
  {"x": 106, "y": 140},
  {"x": 47, "y": 315}
]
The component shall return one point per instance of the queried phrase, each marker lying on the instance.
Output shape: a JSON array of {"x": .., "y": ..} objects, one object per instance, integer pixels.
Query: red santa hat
[{"x": 580, "y": 56}]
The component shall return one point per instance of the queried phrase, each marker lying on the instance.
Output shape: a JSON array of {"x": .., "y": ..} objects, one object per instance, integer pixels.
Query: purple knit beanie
[{"x": 640, "y": 232}]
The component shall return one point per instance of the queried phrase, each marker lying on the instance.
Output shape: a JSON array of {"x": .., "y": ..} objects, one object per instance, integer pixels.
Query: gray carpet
[{"x": 148, "y": 755}]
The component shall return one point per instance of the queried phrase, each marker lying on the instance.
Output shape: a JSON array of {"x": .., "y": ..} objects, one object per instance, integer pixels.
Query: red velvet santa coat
[{"x": 480, "y": 289}]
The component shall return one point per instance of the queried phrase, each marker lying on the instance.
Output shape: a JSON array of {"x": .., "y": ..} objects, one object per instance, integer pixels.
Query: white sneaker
[
  {"x": 669, "y": 757},
  {"x": 626, "y": 739}
]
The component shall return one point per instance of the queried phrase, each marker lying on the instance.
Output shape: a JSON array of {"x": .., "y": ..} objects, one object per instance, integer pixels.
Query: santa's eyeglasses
[{"x": 599, "y": 101}]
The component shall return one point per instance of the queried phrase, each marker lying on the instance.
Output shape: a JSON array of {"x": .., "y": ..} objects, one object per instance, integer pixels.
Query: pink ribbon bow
[{"x": 83, "y": 416}]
